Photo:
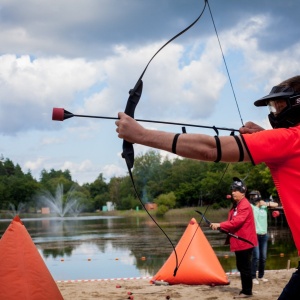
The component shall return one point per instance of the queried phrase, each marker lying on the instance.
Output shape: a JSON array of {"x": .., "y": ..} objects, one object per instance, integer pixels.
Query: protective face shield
[
  {"x": 254, "y": 197},
  {"x": 277, "y": 106},
  {"x": 238, "y": 185},
  {"x": 284, "y": 106}
]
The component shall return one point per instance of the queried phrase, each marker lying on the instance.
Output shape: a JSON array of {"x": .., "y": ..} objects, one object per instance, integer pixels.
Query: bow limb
[
  {"x": 224, "y": 231},
  {"x": 237, "y": 237}
]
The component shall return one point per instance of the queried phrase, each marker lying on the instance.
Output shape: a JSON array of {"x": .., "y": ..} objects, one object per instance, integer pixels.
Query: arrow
[{"x": 60, "y": 114}]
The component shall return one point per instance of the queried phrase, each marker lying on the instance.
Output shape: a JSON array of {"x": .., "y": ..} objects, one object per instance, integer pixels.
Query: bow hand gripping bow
[{"x": 134, "y": 97}]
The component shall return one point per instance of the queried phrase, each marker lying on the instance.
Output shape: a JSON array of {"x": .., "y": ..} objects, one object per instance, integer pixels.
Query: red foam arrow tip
[{"x": 58, "y": 114}]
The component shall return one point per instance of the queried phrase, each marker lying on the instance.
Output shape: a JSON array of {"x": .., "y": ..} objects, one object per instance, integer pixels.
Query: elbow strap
[
  {"x": 238, "y": 141},
  {"x": 219, "y": 151},
  {"x": 174, "y": 144}
]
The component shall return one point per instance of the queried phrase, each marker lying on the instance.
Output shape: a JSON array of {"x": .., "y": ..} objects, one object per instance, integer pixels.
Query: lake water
[{"x": 110, "y": 247}]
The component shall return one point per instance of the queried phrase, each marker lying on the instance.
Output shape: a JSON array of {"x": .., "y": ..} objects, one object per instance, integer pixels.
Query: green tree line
[{"x": 168, "y": 182}]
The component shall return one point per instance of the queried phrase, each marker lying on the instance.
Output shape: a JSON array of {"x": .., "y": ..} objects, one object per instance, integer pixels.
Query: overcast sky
[{"x": 85, "y": 56}]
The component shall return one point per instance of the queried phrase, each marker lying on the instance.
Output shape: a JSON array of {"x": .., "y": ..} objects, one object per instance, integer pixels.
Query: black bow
[
  {"x": 224, "y": 231},
  {"x": 134, "y": 97}
]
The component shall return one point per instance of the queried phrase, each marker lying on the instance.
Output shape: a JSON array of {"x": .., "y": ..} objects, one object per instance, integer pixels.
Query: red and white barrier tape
[{"x": 98, "y": 280}]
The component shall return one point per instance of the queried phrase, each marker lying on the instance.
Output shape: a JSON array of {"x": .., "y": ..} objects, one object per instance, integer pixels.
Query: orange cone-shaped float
[
  {"x": 23, "y": 273},
  {"x": 198, "y": 264}
]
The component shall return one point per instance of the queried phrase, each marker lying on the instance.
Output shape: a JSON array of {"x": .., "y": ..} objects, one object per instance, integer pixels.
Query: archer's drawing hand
[
  {"x": 129, "y": 129},
  {"x": 215, "y": 226},
  {"x": 250, "y": 127}
]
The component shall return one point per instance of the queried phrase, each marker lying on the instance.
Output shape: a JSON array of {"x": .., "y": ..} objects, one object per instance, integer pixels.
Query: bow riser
[{"x": 134, "y": 97}]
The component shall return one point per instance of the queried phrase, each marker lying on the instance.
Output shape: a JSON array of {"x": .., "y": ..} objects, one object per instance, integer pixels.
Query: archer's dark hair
[{"x": 293, "y": 82}]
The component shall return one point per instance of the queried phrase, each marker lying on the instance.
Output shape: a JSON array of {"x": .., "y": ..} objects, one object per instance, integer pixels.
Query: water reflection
[{"x": 93, "y": 248}]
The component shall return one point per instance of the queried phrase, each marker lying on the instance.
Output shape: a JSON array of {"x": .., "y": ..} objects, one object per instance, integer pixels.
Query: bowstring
[
  {"x": 225, "y": 63},
  {"x": 233, "y": 92}
]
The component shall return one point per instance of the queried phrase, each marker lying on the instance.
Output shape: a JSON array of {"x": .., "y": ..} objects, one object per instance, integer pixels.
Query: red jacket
[{"x": 241, "y": 223}]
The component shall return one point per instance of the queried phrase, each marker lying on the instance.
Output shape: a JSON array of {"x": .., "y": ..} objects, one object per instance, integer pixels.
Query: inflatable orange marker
[
  {"x": 198, "y": 263},
  {"x": 23, "y": 273}
]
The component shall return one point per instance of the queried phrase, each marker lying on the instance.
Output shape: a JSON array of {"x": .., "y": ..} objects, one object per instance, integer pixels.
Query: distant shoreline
[{"x": 188, "y": 212}]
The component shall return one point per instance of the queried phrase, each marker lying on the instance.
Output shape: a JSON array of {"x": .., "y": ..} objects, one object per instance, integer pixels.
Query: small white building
[{"x": 110, "y": 206}]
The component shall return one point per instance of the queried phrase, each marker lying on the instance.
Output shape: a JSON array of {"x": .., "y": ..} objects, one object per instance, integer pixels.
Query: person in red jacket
[{"x": 241, "y": 223}]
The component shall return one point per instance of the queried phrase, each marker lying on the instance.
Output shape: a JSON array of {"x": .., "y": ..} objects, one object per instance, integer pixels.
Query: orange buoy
[
  {"x": 23, "y": 272},
  {"x": 198, "y": 264}
]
